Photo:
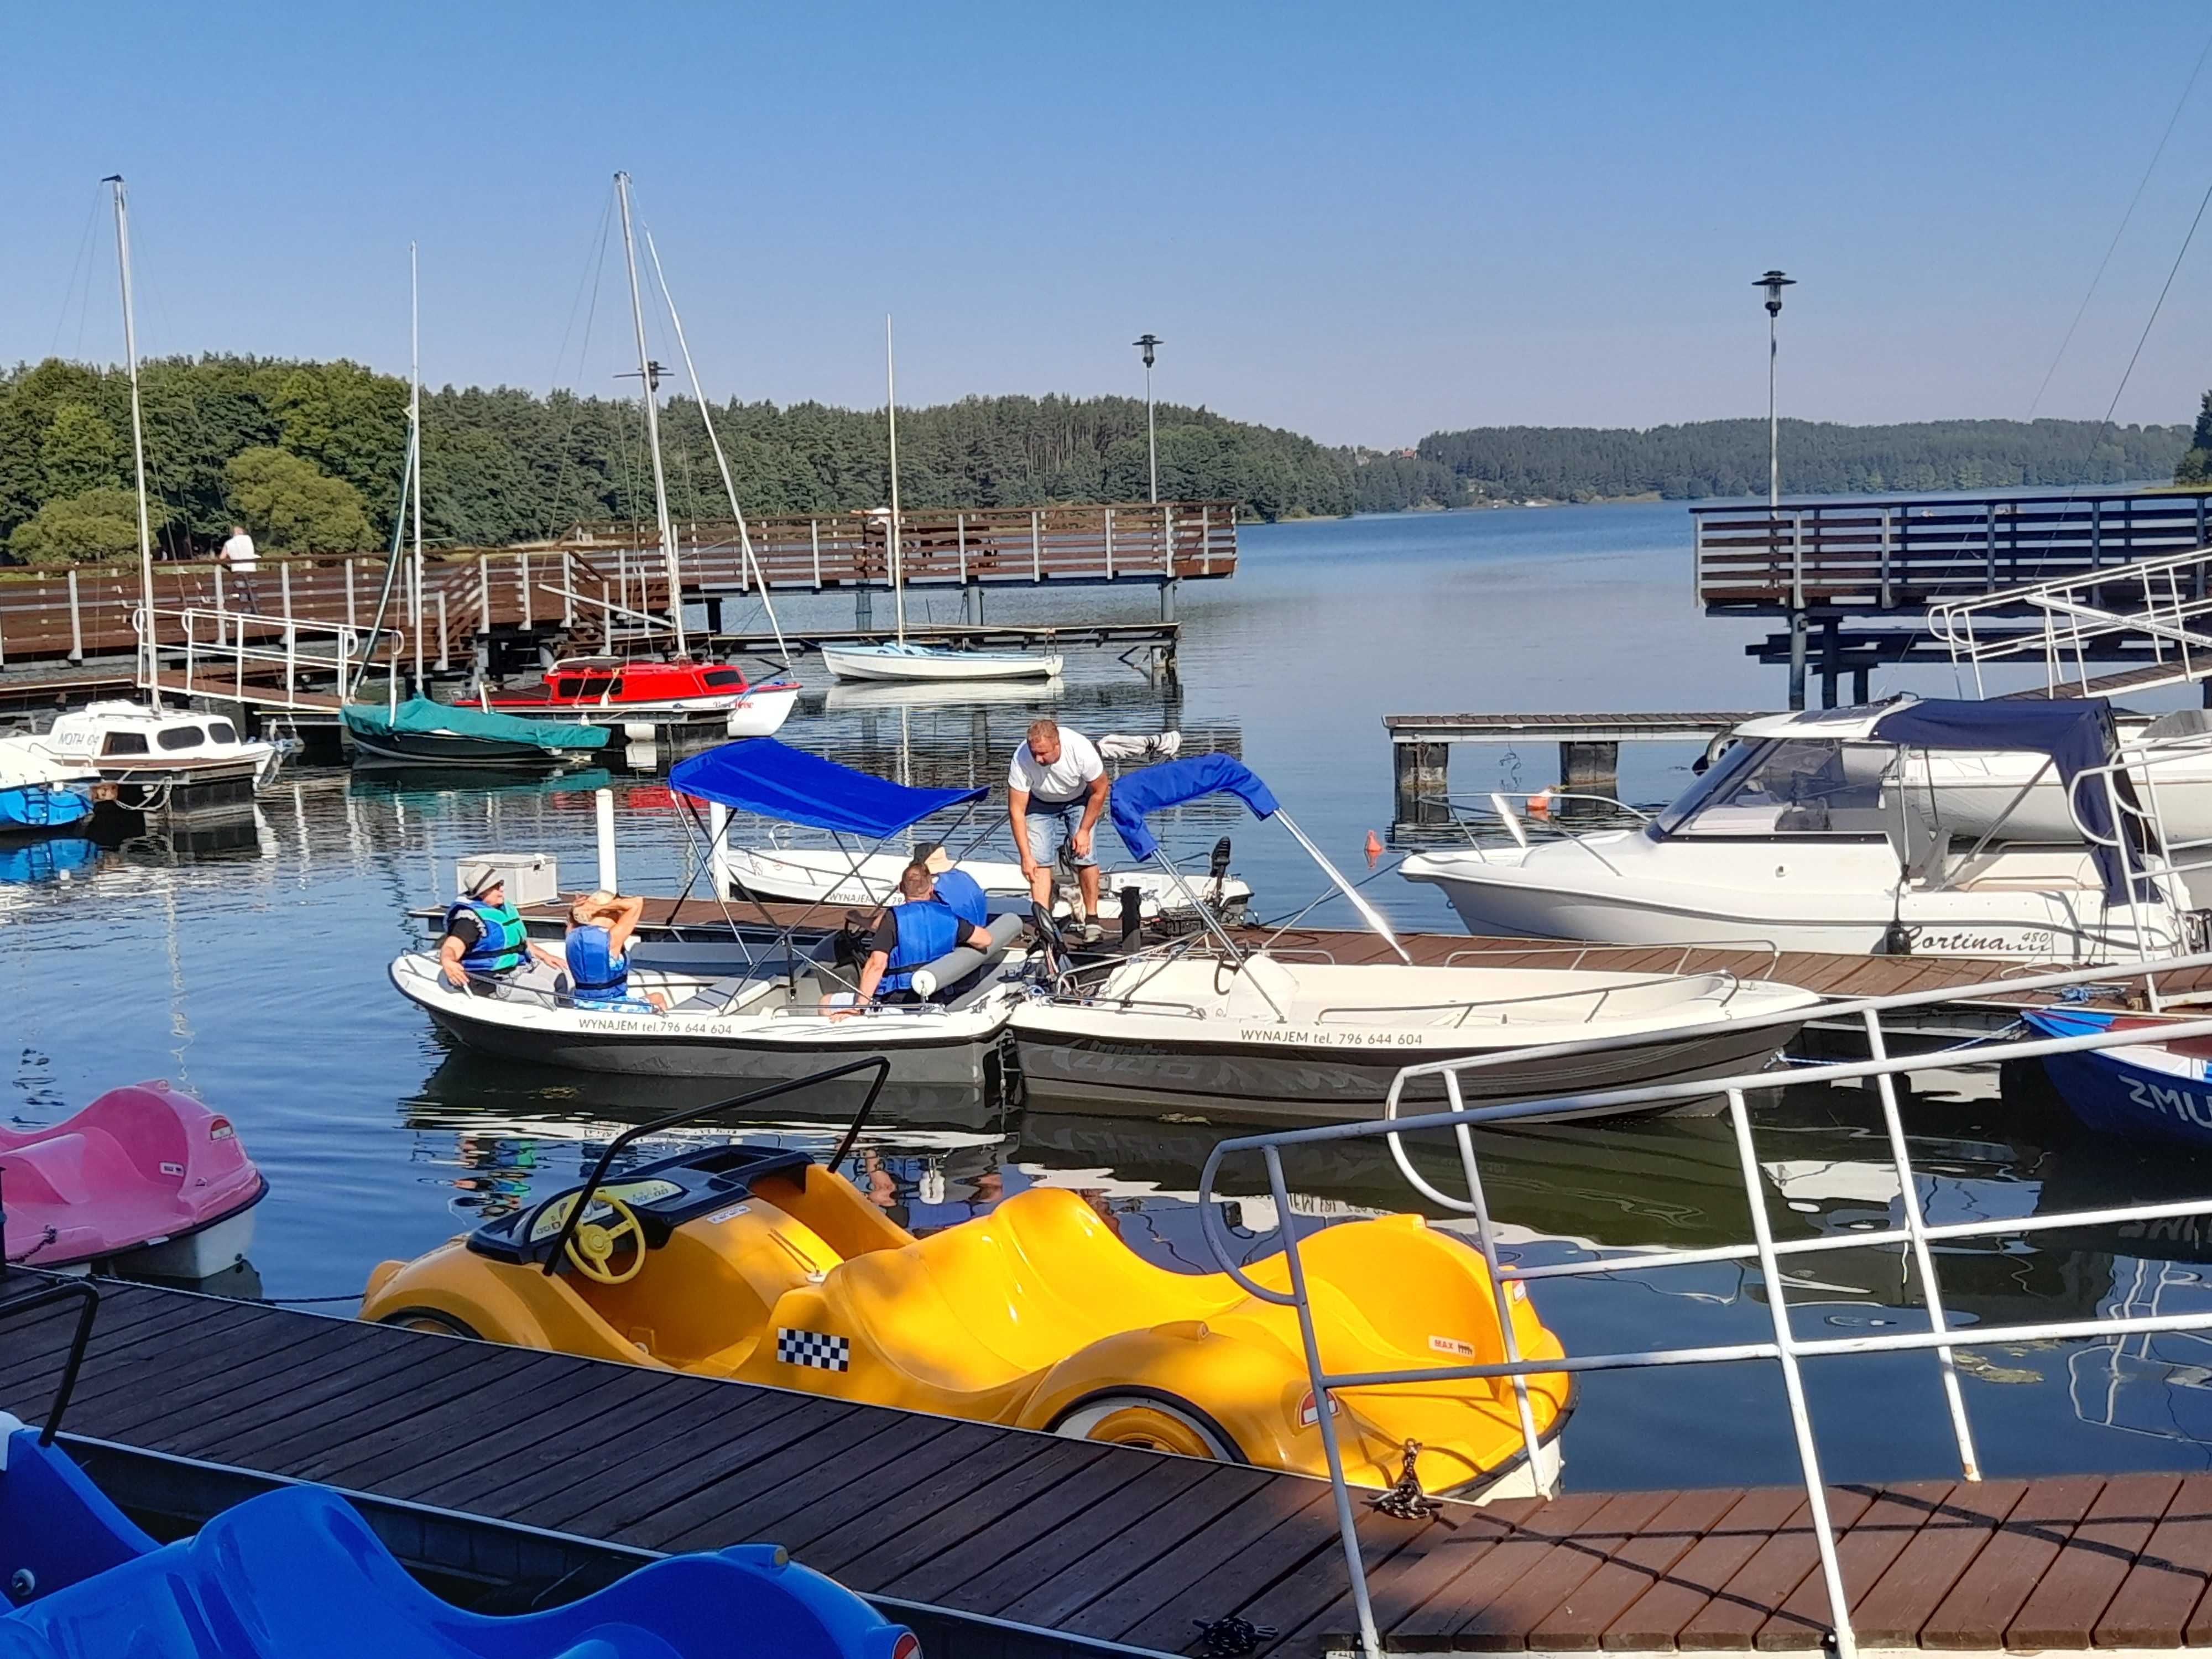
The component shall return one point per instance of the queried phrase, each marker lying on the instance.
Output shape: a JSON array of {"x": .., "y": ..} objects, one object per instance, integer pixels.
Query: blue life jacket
[
  {"x": 502, "y": 946},
  {"x": 965, "y": 895},
  {"x": 927, "y": 930},
  {"x": 593, "y": 975}
]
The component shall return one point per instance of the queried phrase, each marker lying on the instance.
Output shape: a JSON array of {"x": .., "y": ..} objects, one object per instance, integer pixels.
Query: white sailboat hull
[
  {"x": 912, "y": 662},
  {"x": 761, "y": 713}
]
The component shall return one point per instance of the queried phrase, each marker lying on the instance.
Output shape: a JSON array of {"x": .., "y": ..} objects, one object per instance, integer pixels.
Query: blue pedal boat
[
  {"x": 2147, "y": 1090},
  {"x": 298, "y": 1574}
]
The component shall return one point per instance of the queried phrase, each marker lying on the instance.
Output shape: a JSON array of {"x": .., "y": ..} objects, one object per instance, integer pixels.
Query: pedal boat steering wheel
[{"x": 591, "y": 1247}]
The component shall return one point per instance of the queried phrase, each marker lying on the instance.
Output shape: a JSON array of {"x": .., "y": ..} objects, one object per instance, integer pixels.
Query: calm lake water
[{"x": 252, "y": 974}]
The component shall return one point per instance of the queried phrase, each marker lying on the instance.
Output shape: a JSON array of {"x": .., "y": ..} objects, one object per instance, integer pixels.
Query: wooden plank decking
[{"x": 1123, "y": 1547}]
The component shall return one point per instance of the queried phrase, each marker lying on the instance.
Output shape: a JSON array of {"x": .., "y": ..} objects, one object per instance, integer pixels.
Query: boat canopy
[
  {"x": 421, "y": 717},
  {"x": 1138, "y": 794},
  {"x": 759, "y": 774}
]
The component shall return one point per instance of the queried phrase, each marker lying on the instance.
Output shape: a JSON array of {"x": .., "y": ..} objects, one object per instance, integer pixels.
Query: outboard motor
[
  {"x": 1133, "y": 915},
  {"x": 1070, "y": 884},
  {"x": 1217, "y": 871},
  {"x": 1051, "y": 946}
]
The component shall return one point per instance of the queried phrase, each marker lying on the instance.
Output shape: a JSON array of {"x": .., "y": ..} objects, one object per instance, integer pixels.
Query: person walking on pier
[
  {"x": 243, "y": 558},
  {"x": 1056, "y": 792}
]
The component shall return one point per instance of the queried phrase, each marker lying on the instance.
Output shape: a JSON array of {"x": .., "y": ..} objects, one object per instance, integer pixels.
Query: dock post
[
  {"x": 1797, "y": 626},
  {"x": 1832, "y": 667},
  {"x": 863, "y": 608},
  {"x": 1168, "y": 600},
  {"x": 718, "y": 852},
  {"x": 76, "y": 621},
  {"x": 1590, "y": 769},
  {"x": 1420, "y": 773},
  {"x": 603, "y": 803},
  {"x": 1858, "y": 687}
]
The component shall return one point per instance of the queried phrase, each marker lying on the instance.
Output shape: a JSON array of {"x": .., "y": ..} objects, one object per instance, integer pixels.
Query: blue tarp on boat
[
  {"x": 421, "y": 717},
  {"x": 2076, "y": 733},
  {"x": 759, "y": 774},
  {"x": 1138, "y": 794}
]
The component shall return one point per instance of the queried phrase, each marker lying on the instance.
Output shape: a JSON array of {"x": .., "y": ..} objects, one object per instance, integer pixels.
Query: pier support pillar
[
  {"x": 1859, "y": 687},
  {"x": 1168, "y": 600},
  {"x": 714, "y": 614},
  {"x": 1796, "y": 660},
  {"x": 1832, "y": 667},
  {"x": 1419, "y": 769},
  {"x": 1590, "y": 769},
  {"x": 863, "y": 608}
]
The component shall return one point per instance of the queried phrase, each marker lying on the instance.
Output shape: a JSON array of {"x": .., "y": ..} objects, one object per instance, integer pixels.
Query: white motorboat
[
  {"x": 906, "y": 661},
  {"x": 40, "y": 790},
  {"x": 2017, "y": 796},
  {"x": 1235, "y": 1034},
  {"x": 151, "y": 754},
  {"x": 814, "y": 875},
  {"x": 1804, "y": 836},
  {"x": 742, "y": 1009}
]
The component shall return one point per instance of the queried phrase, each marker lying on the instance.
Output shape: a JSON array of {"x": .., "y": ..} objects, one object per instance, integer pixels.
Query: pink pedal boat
[{"x": 144, "y": 1179}]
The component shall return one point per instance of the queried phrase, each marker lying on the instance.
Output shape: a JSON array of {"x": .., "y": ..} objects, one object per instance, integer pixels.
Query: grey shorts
[{"x": 1051, "y": 828}]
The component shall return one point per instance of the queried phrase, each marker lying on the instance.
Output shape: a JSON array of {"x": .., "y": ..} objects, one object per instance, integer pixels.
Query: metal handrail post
[
  {"x": 1916, "y": 1225},
  {"x": 1499, "y": 1290},
  {"x": 1793, "y": 1385},
  {"x": 1324, "y": 1414}
]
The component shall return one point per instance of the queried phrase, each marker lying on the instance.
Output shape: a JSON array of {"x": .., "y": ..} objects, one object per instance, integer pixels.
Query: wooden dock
[
  {"x": 1012, "y": 1539},
  {"x": 1590, "y": 748}
]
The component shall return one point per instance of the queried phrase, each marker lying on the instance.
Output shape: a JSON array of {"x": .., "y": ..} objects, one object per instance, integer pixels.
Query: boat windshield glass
[{"x": 1786, "y": 786}]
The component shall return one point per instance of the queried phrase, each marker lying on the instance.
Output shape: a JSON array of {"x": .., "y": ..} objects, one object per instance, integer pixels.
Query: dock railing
[
  {"x": 1786, "y": 1349},
  {"x": 250, "y": 658},
  {"x": 2166, "y": 600}
]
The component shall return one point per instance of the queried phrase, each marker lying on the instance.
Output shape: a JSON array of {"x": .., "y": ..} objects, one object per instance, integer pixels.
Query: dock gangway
[
  {"x": 1914, "y": 1236},
  {"x": 2074, "y": 621}
]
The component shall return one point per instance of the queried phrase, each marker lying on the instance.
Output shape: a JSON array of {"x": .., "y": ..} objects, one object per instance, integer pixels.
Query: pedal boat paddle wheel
[{"x": 760, "y": 1264}]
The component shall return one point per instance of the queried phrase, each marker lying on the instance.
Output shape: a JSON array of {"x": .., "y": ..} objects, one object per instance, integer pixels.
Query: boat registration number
[{"x": 1319, "y": 1036}]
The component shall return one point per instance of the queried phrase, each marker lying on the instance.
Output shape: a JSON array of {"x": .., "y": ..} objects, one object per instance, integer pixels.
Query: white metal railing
[
  {"x": 2077, "y": 612},
  {"x": 236, "y": 654},
  {"x": 1784, "y": 1347}
]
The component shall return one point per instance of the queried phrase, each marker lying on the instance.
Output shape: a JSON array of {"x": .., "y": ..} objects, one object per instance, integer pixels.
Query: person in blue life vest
[
  {"x": 599, "y": 927},
  {"x": 954, "y": 886},
  {"x": 918, "y": 931},
  {"x": 484, "y": 937}
]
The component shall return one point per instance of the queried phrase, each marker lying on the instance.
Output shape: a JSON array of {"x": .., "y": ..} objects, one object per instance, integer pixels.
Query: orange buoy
[
  {"x": 1540, "y": 804},
  {"x": 1374, "y": 848}
]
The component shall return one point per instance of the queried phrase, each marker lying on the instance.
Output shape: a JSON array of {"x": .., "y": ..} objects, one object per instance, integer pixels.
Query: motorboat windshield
[{"x": 1785, "y": 786}]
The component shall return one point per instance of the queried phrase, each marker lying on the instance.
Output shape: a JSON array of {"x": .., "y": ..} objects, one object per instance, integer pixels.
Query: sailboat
[
  {"x": 901, "y": 660},
  {"x": 606, "y": 689}
]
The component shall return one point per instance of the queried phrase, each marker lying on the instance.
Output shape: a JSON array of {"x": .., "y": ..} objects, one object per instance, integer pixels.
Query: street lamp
[
  {"x": 1774, "y": 281},
  {"x": 1145, "y": 344}
]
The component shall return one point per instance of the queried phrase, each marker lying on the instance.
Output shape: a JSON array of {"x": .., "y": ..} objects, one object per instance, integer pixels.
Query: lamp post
[
  {"x": 1146, "y": 343},
  {"x": 1774, "y": 281}
]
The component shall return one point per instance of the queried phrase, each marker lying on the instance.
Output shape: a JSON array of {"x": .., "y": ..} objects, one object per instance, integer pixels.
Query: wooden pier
[
  {"x": 577, "y": 585},
  {"x": 1005, "y": 1542},
  {"x": 1590, "y": 748}
]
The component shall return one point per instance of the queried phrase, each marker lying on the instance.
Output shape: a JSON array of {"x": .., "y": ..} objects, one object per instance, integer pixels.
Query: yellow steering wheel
[{"x": 592, "y": 1245}]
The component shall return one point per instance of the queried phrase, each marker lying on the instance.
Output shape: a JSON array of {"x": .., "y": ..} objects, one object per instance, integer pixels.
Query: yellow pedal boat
[{"x": 760, "y": 1264}]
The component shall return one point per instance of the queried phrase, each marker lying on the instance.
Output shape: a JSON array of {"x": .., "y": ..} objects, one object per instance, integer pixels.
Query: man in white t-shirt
[
  {"x": 1056, "y": 792},
  {"x": 244, "y": 559}
]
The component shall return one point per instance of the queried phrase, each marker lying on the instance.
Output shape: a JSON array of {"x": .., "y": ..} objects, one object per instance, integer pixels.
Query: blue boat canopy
[
  {"x": 2076, "y": 733},
  {"x": 1140, "y": 793},
  {"x": 759, "y": 774}
]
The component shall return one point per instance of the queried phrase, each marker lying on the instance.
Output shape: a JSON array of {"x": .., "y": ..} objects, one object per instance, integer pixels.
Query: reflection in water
[{"x": 379, "y": 1142}]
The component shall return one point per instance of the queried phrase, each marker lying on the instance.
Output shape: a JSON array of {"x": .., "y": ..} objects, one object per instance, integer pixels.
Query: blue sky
[{"x": 1363, "y": 222}]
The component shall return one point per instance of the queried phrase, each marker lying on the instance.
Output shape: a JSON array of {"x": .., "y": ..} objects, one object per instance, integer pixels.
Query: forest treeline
[{"x": 309, "y": 456}]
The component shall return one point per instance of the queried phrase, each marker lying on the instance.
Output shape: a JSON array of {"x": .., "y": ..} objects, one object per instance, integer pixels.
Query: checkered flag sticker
[{"x": 816, "y": 1349}]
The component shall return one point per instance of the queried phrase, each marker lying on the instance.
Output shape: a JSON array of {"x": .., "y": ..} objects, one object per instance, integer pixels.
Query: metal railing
[
  {"x": 2164, "y": 599},
  {"x": 252, "y": 658},
  {"x": 1784, "y": 1347}
]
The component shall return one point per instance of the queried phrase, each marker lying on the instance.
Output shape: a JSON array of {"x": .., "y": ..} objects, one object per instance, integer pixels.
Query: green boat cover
[{"x": 423, "y": 717}]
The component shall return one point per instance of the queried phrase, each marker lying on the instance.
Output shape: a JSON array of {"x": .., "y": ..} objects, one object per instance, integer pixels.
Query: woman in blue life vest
[
  {"x": 484, "y": 937},
  {"x": 919, "y": 931},
  {"x": 600, "y": 928}
]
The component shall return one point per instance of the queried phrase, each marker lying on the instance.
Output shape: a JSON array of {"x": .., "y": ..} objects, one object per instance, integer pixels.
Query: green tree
[
  {"x": 293, "y": 506},
  {"x": 2194, "y": 467},
  {"x": 80, "y": 451},
  {"x": 96, "y": 524},
  {"x": 352, "y": 423}
]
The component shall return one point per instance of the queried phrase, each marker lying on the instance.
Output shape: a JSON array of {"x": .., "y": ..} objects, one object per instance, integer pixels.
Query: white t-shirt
[
  {"x": 1066, "y": 780},
  {"x": 240, "y": 554}
]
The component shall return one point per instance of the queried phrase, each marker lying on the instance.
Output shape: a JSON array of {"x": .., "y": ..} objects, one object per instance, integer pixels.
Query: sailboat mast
[
  {"x": 148, "y": 675},
  {"x": 891, "y": 409},
  {"x": 722, "y": 461},
  {"x": 653, "y": 426},
  {"x": 415, "y": 446}
]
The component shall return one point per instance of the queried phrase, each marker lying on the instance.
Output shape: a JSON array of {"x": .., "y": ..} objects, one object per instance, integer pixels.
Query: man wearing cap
[
  {"x": 484, "y": 936},
  {"x": 1056, "y": 792}
]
